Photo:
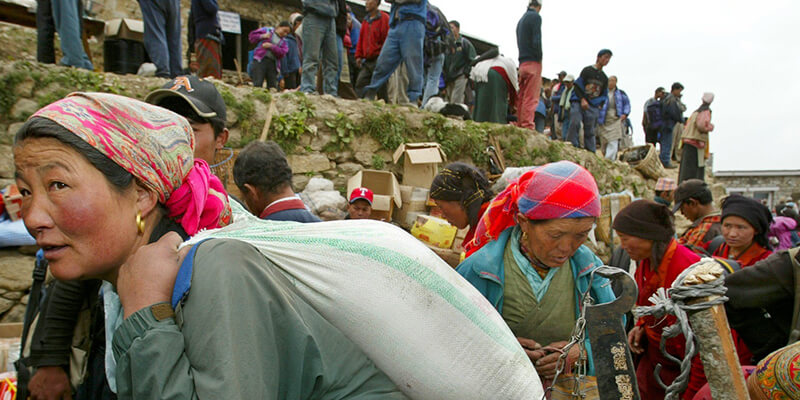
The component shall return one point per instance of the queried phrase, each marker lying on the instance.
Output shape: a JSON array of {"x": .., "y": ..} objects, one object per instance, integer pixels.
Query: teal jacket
[{"x": 485, "y": 270}]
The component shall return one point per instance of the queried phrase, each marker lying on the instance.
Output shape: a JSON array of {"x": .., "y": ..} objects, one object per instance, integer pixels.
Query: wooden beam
[
  {"x": 268, "y": 122},
  {"x": 717, "y": 351}
]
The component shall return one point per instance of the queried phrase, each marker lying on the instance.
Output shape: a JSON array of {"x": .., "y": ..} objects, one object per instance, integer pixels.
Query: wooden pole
[
  {"x": 717, "y": 351},
  {"x": 268, "y": 121}
]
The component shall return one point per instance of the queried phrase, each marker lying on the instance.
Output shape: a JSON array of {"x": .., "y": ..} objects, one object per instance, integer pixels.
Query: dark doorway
[{"x": 229, "y": 48}]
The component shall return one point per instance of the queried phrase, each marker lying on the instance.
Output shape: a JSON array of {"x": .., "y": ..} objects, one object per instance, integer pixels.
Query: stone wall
[{"x": 787, "y": 185}]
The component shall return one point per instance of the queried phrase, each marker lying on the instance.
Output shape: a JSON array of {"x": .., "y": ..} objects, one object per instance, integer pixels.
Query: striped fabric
[
  {"x": 557, "y": 190},
  {"x": 155, "y": 145}
]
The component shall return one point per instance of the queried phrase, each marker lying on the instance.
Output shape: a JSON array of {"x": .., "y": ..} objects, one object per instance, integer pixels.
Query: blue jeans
[
  {"x": 432, "y": 76},
  {"x": 162, "y": 35},
  {"x": 665, "y": 141},
  {"x": 67, "y": 20},
  {"x": 565, "y": 127},
  {"x": 404, "y": 43},
  {"x": 319, "y": 43},
  {"x": 588, "y": 117}
]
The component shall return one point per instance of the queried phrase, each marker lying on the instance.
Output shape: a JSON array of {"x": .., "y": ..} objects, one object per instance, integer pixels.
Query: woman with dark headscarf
[
  {"x": 647, "y": 233},
  {"x": 530, "y": 261},
  {"x": 745, "y": 225},
  {"x": 463, "y": 193}
]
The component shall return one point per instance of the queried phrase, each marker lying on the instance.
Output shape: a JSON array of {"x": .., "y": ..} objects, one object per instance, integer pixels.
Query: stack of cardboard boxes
[{"x": 409, "y": 205}]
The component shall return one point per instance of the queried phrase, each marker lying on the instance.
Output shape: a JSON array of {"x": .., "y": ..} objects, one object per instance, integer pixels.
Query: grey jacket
[{"x": 325, "y": 8}]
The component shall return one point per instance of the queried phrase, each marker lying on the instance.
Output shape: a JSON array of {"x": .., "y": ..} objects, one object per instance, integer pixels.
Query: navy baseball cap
[{"x": 202, "y": 95}]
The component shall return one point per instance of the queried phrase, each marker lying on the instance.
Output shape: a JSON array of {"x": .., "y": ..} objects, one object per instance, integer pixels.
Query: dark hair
[
  {"x": 118, "y": 177},
  {"x": 262, "y": 165},
  {"x": 285, "y": 23},
  {"x": 677, "y": 85},
  {"x": 463, "y": 183},
  {"x": 660, "y": 192},
  {"x": 657, "y": 252},
  {"x": 40, "y": 127},
  {"x": 182, "y": 107},
  {"x": 456, "y": 23},
  {"x": 703, "y": 197},
  {"x": 660, "y": 89}
]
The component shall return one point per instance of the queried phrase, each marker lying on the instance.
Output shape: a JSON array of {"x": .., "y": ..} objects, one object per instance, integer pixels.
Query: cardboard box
[
  {"x": 385, "y": 188},
  {"x": 12, "y": 201},
  {"x": 125, "y": 28},
  {"x": 405, "y": 218},
  {"x": 421, "y": 162},
  {"x": 434, "y": 231},
  {"x": 10, "y": 337}
]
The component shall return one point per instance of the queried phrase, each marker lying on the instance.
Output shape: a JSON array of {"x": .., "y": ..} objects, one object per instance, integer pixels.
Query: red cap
[{"x": 361, "y": 193}]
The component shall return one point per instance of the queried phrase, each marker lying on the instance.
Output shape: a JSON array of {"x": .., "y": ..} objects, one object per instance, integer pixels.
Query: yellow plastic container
[{"x": 434, "y": 231}]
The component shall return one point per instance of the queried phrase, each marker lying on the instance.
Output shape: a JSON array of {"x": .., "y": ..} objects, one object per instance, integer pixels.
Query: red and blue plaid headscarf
[{"x": 553, "y": 191}]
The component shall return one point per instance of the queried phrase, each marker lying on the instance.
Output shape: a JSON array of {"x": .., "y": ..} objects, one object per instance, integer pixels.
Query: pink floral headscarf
[{"x": 155, "y": 145}]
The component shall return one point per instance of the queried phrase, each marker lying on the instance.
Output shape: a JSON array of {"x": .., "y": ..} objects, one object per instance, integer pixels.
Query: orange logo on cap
[{"x": 182, "y": 81}]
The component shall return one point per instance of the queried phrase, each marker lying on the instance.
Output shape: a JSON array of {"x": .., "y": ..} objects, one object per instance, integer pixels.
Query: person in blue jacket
[{"x": 531, "y": 263}]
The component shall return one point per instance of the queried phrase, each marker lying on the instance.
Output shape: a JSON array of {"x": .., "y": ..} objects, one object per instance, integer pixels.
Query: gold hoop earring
[
  {"x": 140, "y": 222},
  {"x": 525, "y": 236}
]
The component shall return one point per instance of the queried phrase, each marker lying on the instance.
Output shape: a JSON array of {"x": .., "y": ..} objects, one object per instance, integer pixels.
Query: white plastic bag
[{"x": 421, "y": 323}]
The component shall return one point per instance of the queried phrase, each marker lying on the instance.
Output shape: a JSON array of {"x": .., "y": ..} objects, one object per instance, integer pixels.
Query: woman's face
[
  {"x": 738, "y": 232},
  {"x": 555, "y": 241},
  {"x": 86, "y": 228},
  {"x": 454, "y": 213},
  {"x": 639, "y": 249}
]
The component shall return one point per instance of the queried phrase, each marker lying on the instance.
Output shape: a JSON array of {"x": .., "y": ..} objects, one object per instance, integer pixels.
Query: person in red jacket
[
  {"x": 647, "y": 234},
  {"x": 745, "y": 224},
  {"x": 374, "y": 30}
]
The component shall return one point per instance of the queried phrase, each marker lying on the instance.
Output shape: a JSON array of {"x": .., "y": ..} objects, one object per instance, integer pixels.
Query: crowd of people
[{"x": 111, "y": 186}]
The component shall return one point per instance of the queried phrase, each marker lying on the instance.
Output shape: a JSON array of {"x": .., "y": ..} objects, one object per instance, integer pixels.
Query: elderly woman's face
[
  {"x": 637, "y": 248},
  {"x": 85, "y": 227},
  {"x": 555, "y": 241},
  {"x": 454, "y": 213}
]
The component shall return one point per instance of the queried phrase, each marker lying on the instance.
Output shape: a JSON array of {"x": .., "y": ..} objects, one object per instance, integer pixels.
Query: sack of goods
[{"x": 423, "y": 325}]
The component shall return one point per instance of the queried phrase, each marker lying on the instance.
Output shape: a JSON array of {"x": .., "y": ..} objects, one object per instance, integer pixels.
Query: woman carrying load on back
[
  {"x": 463, "y": 193},
  {"x": 110, "y": 189},
  {"x": 530, "y": 261}
]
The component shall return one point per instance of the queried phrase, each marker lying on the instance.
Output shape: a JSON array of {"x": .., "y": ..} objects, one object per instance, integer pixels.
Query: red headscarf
[{"x": 553, "y": 191}]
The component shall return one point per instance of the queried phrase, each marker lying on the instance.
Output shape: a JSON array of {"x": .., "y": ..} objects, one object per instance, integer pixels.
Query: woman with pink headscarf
[{"x": 110, "y": 190}]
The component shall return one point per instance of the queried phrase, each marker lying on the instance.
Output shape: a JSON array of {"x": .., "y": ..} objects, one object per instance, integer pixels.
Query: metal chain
[{"x": 578, "y": 337}]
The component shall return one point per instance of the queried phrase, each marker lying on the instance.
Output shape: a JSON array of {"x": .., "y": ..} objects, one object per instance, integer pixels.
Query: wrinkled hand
[
  {"x": 532, "y": 349},
  {"x": 584, "y": 104},
  {"x": 546, "y": 366},
  {"x": 635, "y": 340},
  {"x": 148, "y": 276},
  {"x": 50, "y": 383}
]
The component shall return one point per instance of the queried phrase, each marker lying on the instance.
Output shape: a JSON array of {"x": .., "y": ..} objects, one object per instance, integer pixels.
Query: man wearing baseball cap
[
  {"x": 199, "y": 102},
  {"x": 694, "y": 200},
  {"x": 360, "y": 203}
]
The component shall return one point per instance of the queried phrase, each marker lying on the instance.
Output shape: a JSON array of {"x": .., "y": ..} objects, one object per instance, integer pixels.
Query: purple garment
[
  {"x": 278, "y": 50},
  {"x": 782, "y": 228}
]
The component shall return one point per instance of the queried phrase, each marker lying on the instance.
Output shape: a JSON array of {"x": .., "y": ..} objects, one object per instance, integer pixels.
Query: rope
[{"x": 673, "y": 302}]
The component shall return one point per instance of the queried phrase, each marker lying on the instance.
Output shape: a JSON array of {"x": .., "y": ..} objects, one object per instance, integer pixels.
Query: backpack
[
  {"x": 33, "y": 328},
  {"x": 655, "y": 115},
  {"x": 438, "y": 38}
]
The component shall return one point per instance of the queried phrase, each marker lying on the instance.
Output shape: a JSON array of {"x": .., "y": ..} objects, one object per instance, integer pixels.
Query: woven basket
[
  {"x": 610, "y": 204},
  {"x": 223, "y": 169},
  {"x": 645, "y": 160}
]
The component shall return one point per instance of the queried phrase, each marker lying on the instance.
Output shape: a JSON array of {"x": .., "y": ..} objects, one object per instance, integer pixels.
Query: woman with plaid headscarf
[{"x": 529, "y": 260}]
